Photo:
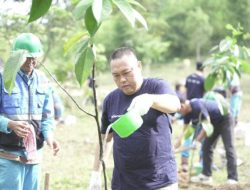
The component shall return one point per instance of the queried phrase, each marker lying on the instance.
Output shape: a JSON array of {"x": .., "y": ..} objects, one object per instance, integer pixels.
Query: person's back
[
  {"x": 208, "y": 113},
  {"x": 195, "y": 83}
]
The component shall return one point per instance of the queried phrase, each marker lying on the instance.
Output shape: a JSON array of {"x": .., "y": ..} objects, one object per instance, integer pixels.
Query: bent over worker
[{"x": 214, "y": 123}]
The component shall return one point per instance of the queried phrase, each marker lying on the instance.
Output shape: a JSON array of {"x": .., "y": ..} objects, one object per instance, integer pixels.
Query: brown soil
[{"x": 196, "y": 186}]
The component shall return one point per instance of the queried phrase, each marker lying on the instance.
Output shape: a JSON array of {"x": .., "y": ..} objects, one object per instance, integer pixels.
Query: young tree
[{"x": 228, "y": 58}]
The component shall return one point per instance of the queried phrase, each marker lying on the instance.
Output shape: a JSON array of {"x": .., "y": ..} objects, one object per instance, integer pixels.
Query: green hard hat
[{"x": 29, "y": 42}]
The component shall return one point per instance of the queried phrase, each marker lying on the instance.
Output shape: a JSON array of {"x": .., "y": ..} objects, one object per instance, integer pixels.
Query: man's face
[
  {"x": 29, "y": 65},
  {"x": 126, "y": 72}
]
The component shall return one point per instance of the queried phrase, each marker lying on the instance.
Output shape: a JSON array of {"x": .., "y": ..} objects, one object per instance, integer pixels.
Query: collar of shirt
[{"x": 28, "y": 79}]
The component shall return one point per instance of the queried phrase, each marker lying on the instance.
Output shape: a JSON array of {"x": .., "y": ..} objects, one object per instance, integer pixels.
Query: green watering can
[{"x": 127, "y": 124}]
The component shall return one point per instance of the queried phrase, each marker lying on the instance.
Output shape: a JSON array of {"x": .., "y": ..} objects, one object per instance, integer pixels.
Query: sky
[
  {"x": 22, "y": 8},
  {"x": 13, "y": 7}
]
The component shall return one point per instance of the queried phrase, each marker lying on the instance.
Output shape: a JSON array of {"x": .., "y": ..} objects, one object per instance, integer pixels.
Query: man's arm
[
  {"x": 179, "y": 139},
  {"x": 166, "y": 103},
  {"x": 206, "y": 131},
  {"x": 47, "y": 122}
]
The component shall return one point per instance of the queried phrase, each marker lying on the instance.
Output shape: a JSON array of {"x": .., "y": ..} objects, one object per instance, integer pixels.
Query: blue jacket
[{"x": 31, "y": 101}]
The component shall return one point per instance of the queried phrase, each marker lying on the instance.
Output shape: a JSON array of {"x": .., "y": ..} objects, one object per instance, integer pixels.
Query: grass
[{"x": 71, "y": 169}]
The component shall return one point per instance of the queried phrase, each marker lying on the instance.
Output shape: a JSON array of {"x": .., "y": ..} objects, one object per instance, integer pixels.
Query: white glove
[
  {"x": 95, "y": 181},
  {"x": 196, "y": 145},
  {"x": 208, "y": 128},
  {"x": 141, "y": 104}
]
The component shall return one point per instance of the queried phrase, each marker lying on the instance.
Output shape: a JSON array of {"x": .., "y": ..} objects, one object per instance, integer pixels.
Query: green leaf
[
  {"x": 244, "y": 53},
  {"x": 84, "y": 65},
  {"x": 210, "y": 81},
  {"x": 213, "y": 49},
  {"x": 38, "y": 9},
  {"x": 90, "y": 22},
  {"x": 209, "y": 61},
  {"x": 224, "y": 75},
  {"x": 133, "y": 2},
  {"x": 229, "y": 27},
  {"x": 97, "y": 9},
  {"x": 106, "y": 9},
  {"x": 247, "y": 50},
  {"x": 141, "y": 19},
  {"x": 225, "y": 45},
  {"x": 236, "y": 50},
  {"x": 236, "y": 70},
  {"x": 221, "y": 60},
  {"x": 245, "y": 66},
  {"x": 81, "y": 8},
  {"x": 11, "y": 68},
  {"x": 126, "y": 10},
  {"x": 83, "y": 45},
  {"x": 73, "y": 40}
]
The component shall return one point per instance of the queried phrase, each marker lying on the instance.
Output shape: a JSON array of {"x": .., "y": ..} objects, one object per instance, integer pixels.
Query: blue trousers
[
  {"x": 17, "y": 176},
  {"x": 235, "y": 104}
]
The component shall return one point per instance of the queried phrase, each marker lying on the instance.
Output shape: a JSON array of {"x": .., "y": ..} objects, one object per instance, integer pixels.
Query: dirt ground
[{"x": 193, "y": 186}]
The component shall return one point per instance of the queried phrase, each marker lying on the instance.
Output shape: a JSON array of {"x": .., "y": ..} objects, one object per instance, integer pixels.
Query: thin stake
[{"x": 46, "y": 181}]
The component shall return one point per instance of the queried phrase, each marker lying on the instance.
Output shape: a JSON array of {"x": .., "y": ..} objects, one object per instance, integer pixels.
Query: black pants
[{"x": 225, "y": 129}]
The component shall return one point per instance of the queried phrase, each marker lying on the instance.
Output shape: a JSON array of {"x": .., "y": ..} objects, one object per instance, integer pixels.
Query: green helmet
[{"x": 29, "y": 42}]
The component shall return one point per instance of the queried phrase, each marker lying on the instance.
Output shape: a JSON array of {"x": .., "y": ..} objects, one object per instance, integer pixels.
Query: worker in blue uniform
[{"x": 26, "y": 120}]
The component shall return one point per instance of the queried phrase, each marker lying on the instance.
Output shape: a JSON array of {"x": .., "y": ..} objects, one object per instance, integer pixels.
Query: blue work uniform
[
  {"x": 202, "y": 110},
  {"x": 145, "y": 159},
  {"x": 31, "y": 101}
]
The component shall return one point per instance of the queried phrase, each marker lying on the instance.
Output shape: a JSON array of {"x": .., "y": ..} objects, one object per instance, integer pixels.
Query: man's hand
[
  {"x": 95, "y": 181},
  {"x": 21, "y": 128},
  {"x": 53, "y": 144},
  {"x": 208, "y": 128},
  {"x": 196, "y": 145},
  {"x": 141, "y": 104}
]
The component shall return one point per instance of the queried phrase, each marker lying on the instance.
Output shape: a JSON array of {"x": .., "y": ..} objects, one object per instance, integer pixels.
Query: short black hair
[
  {"x": 178, "y": 86},
  {"x": 221, "y": 90},
  {"x": 199, "y": 66},
  {"x": 118, "y": 53}
]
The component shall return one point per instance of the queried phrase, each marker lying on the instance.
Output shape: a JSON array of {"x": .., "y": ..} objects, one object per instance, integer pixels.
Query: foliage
[
  {"x": 198, "y": 22},
  {"x": 11, "y": 68},
  {"x": 227, "y": 58},
  {"x": 182, "y": 28},
  {"x": 43, "y": 5},
  {"x": 54, "y": 28},
  {"x": 94, "y": 13}
]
